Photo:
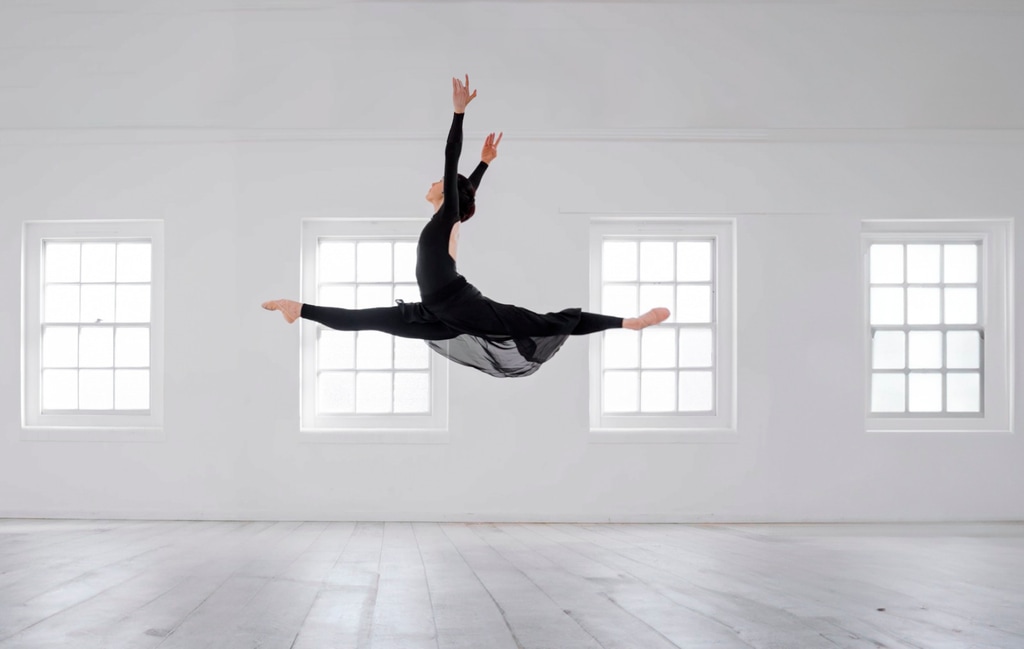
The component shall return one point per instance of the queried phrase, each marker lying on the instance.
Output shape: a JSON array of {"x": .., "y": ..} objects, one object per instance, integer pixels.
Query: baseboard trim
[{"x": 482, "y": 517}]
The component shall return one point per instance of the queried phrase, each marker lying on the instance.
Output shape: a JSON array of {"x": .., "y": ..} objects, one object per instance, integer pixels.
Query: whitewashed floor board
[{"x": 317, "y": 585}]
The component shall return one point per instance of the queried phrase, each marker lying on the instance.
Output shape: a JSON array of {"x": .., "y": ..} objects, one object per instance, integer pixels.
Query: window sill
[
  {"x": 661, "y": 436},
  {"x": 90, "y": 434},
  {"x": 374, "y": 436},
  {"x": 955, "y": 431},
  {"x": 992, "y": 423}
]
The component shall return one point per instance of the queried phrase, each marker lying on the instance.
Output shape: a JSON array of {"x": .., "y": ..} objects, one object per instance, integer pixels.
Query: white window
[
  {"x": 676, "y": 377},
  {"x": 937, "y": 313},
  {"x": 92, "y": 330},
  {"x": 369, "y": 385}
]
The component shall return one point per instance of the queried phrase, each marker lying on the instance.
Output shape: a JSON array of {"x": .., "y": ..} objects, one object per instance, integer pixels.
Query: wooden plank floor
[{"x": 288, "y": 585}]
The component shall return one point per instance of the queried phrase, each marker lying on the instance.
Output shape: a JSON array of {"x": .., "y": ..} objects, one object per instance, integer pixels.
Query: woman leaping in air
[{"x": 455, "y": 319}]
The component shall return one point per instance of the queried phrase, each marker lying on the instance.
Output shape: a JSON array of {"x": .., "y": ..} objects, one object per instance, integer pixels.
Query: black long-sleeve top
[
  {"x": 453, "y": 149},
  {"x": 435, "y": 268}
]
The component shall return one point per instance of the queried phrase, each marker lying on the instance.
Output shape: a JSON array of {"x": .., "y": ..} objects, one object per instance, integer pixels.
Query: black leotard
[{"x": 435, "y": 268}]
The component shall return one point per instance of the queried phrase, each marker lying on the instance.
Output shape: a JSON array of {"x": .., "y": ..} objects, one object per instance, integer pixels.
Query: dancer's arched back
[{"x": 499, "y": 339}]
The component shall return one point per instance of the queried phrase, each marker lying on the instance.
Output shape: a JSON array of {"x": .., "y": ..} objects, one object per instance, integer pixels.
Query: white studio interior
[{"x": 817, "y": 448}]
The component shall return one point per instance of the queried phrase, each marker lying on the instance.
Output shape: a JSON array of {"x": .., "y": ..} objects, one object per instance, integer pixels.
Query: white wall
[{"x": 233, "y": 120}]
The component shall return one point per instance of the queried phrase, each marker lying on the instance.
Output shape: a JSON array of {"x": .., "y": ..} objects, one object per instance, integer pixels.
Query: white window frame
[
  {"x": 363, "y": 428},
  {"x": 996, "y": 307},
  {"x": 719, "y": 426},
  {"x": 84, "y": 426}
]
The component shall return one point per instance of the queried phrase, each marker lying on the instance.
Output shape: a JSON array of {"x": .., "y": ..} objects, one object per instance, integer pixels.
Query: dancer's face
[{"x": 436, "y": 192}]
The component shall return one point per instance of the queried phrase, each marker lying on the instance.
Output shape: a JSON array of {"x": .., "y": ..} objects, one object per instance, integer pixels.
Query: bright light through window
[
  {"x": 669, "y": 368},
  {"x": 369, "y": 372},
  {"x": 95, "y": 329},
  {"x": 927, "y": 340}
]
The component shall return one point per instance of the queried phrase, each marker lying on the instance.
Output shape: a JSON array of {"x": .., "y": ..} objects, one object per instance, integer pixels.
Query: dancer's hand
[
  {"x": 490, "y": 151},
  {"x": 460, "y": 94}
]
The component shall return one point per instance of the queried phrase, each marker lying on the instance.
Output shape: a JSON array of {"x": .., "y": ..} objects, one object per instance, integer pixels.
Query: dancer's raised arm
[
  {"x": 487, "y": 156},
  {"x": 453, "y": 149}
]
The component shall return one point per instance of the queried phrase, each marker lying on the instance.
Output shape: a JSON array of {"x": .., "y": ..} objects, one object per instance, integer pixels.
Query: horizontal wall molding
[
  {"x": 248, "y": 6},
  {"x": 482, "y": 517},
  {"x": 189, "y": 135}
]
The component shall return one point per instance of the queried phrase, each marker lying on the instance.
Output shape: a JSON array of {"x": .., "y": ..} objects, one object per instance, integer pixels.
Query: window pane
[
  {"x": 696, "y": 348},
  {"x": 621, "y": 348},
  {"x": 97, "y": 303},
  {"x": 60, "y": 304},
  {"x": 96, "y": 347},
  {"x": 337, "y": 261},
  {"x": 925, "y": 350},
  {"x": 96, "y": 389},
  {"x": 373, "y": 351},
  {"x": 62, "y": 262},
  {"x": 336, "y": 350},
  {"x": 963, "y": 350},
  {"x": 656, "y": 263},
  {"x": 888, "y": 393},
  {"x": 411, "y": 354},
  {"x": 134, "y": 262},
  {"x": 339, "y": 297},
  {"x": 373, "y": 261},
  {"x": 657, "y": 391},
  {"x": 131, "y": 347},
  {"x": 886, "y": 264},
  {"x": 961, "y": 263},
  {"x": 925, "y": 392},
  {"x": 923, "y": 264},
  {"x": 619, "y": 261},
  {"x": 336, "y": 392},
  {"x": 98, "y": 261},
  {"x": 963, "y": 392},
  {"x": 693, "y": 304},
  {"x": 923, "y": 306},
  {"x": 693, "y": 261},
  {"x": 407, "y": 292},
  {"x": 405, "y": 261},
  {"x": 652, "y": 295},
  {"x": 620, "y": 301},
  {"x": 888, "y": 350},
  {"x": 886, "y": 306},
  {"x": 373, "y": 392},
  {"x": 131, "y": 389},
  {"x": 132, "y": 303},
  {"x": 60, "y": 389},
  {"x": 620, "y": 391},
  {"x": 658, "y": 348},
  {"x": 696, "y": 391},
  {"x": 60, "y": 347},
  {"x": 412, "y": 391},
  {"x": 961, "y": 306},
  {"x": 369, "y": 296}
]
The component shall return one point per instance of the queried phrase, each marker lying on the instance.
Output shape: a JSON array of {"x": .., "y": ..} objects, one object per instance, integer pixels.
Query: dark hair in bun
[{"x": 467, "y": 199}]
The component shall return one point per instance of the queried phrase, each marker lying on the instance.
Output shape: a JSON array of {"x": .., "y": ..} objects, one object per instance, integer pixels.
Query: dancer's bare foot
[
  {"x": 290, "y": 309},
  {"x": 652, "y": 317}
]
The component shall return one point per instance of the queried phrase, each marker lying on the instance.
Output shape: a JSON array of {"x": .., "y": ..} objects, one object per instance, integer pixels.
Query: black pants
[
  {"x": 389, "y": 320},
  {"x": 435, "y": 270}
]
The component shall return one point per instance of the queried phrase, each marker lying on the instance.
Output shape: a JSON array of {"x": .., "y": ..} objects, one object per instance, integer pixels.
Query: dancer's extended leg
[
  {"x": 652, "y": 317},
  {"x": 591, "y": 323},
  {"x": 386, "y": 319}
]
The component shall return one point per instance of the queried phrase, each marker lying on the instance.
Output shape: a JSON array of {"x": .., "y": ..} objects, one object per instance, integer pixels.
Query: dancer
[{"x": 455, "y": 319}]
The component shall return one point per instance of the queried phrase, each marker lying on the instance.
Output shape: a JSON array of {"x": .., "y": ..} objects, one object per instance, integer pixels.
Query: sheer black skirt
[
  {"x": 498, "y": 339},
  {"x": 462, "y": 325}
]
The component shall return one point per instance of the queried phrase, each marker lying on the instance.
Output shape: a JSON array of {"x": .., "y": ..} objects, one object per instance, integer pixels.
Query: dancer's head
[
  {"x": 467, "y": 199},
  {"x": 467, "y": 196}
]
